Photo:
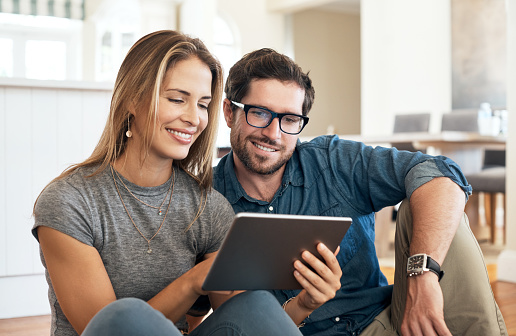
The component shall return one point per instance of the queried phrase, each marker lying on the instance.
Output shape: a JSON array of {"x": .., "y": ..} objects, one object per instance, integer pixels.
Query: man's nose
[{"x": 273, "y": 131}]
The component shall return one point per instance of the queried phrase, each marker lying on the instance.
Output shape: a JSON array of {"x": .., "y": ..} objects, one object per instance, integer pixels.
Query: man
[{"x": 269, "y": 170}]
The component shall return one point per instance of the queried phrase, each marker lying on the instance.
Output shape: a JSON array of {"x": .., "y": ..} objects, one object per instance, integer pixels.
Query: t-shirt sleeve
[
  {"x": 62, "y": 207},
  {"x": 221, "y": 216}
]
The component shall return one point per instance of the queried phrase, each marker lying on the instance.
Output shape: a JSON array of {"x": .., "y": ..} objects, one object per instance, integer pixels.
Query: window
[
  {"x": 45, "y": 60},
  {"x": 114, "y": 46},
  {"x": 117, "y": 26},
  {"x": 225, "y": 45},
  {"x": 40, "y": 47},
  {"x": 227, "y": 51},
  {"x": 6, "y": 57}
]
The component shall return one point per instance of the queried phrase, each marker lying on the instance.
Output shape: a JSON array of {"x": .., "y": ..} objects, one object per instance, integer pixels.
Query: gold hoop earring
[{"x": 128, "y": 133}]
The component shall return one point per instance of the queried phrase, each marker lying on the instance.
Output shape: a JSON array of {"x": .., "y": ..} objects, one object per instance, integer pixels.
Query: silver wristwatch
[{"x": 421, "y": 263}]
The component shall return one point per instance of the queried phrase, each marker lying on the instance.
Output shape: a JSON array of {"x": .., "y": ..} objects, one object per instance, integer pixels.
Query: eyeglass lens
[{"x": 288, "y": 123}]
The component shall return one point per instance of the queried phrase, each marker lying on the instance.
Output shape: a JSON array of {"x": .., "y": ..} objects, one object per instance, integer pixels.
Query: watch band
[{"x": 433, "y": 266}]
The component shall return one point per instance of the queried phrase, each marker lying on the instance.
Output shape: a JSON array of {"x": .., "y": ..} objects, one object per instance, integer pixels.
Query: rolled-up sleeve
[{"x": 435, "y": 167}]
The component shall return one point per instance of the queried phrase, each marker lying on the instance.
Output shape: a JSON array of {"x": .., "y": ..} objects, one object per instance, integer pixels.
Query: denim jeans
[{"x": 246, "y": 314}]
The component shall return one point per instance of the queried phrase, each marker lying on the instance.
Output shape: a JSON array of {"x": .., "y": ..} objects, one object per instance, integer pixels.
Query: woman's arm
[
  {"x": 83, "y": 287},
  {"x": 79, "y": 279}
]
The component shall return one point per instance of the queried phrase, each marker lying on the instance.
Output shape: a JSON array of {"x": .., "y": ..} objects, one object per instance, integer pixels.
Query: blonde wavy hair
[{"x": 139, "y": 82}]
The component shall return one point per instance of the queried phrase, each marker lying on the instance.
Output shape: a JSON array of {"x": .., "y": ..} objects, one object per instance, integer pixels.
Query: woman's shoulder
[{"x": 75, "y": 181}]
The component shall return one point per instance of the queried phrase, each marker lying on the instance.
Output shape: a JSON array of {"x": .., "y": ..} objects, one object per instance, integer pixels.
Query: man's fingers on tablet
[
  {"x": 337, "y": 251},
  {"x": 315, "y": 293},
  {"x": 318, "y": 292},
  {"x": 321, "y": 280},
  {"x": 317, "y": 265},
  {"x": 330, "y": 259},
  {"x": 326, "y": 253},
  {"x": 327, "y": 271},
  {"x": 312, "y": 277}
]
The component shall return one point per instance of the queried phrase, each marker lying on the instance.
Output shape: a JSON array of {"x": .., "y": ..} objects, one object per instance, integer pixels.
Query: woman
[{"x": 138, "y": 219}]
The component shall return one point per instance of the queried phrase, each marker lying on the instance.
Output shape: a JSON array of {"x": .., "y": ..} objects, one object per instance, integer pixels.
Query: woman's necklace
[
  {"x": 139, "y": 200},
  {"x": 148, "y": 240}
]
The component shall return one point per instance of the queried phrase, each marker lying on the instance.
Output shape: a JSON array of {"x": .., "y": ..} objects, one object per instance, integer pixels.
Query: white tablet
[{"x": 259, "y": 250}]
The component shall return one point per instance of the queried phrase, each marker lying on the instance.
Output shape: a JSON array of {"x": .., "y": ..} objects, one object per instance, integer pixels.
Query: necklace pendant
[
  {"x": 160, "y": 212},
  {"x": 149, "y": 251}
]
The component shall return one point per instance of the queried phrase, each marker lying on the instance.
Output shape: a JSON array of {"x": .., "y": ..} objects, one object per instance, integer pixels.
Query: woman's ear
[
  {"x": 228, "y": 112},
  {"x": 131, "y": 107}
]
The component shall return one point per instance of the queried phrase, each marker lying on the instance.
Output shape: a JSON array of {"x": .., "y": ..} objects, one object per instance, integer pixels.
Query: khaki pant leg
[
  {"x": 469, "y": 304},
  {"x": 381, "y": 325}
]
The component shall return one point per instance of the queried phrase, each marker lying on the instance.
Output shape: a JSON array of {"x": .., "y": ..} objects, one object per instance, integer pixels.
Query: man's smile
[{"x": 267, "y": 149}]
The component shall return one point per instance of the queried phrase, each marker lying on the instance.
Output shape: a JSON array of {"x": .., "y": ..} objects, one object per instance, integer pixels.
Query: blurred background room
[{"x": 436, "y": 75}]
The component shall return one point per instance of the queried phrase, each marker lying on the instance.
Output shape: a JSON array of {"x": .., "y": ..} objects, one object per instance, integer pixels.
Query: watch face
[{"x": 416, "y": 262}]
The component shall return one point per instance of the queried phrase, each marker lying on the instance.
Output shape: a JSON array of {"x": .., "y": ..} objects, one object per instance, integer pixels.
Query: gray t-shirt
[{"x": 89, "y": 209}]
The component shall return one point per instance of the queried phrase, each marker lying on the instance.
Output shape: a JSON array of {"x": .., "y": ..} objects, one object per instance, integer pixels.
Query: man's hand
[
  {"x": 319, "y": 286},
  {"x": 424, "y": 307}
]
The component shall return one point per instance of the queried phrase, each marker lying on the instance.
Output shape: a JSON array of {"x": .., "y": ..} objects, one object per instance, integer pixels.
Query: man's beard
[{"x": 256, "y": 163}]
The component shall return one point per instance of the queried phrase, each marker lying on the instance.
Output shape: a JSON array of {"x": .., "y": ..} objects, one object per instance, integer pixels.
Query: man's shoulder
[
  {"x": 325, "y": 142},
  {"x": 317, "y": 141},
  {"x": 326, "y": 146}
]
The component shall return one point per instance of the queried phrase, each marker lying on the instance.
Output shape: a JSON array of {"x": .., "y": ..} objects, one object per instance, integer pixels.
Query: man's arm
[{"x": 437, "y": 207}]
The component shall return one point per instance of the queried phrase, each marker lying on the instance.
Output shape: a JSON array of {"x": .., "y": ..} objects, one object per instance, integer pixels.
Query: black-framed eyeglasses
[{"x": 261, "y": 117}]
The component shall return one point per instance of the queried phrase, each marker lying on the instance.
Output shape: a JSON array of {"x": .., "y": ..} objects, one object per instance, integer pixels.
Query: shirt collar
[{"x": 293, "y": 174}]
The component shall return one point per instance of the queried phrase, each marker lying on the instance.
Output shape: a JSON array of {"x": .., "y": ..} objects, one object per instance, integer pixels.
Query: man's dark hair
[{"x": 267, "y": 64}]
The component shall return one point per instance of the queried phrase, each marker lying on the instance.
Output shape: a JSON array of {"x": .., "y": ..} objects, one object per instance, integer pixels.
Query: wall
[
  {"x": 257, "y": 26},
  {"x": 478, "y": 53},
  {"x": 328, "y": 45},
  {"x": 406, "y": 61},
  {"x": 45, "y": 127},
  {"x": 507, "y": 259}
]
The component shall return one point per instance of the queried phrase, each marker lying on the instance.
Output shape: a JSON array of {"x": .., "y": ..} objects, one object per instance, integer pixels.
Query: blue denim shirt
[{"x": 329, "y": 176}]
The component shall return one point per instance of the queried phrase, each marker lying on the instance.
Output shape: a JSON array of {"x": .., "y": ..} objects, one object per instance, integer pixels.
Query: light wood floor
[{"x": 505, "y": 294}]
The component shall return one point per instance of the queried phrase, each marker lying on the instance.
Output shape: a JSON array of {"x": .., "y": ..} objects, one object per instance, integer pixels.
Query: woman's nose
[{"x": 192, "y": 114}]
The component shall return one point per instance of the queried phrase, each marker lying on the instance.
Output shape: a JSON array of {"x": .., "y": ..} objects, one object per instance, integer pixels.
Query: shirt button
[
  {"x": 337, "y": 319},
  {"x": 271, "y": 208}
]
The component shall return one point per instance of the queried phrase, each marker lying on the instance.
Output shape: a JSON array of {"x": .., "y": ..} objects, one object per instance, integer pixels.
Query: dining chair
[
  {"x": 490, "y": 183},
  {"x": 413, "y": 123},
  {"x": 460, "y": 121}
]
